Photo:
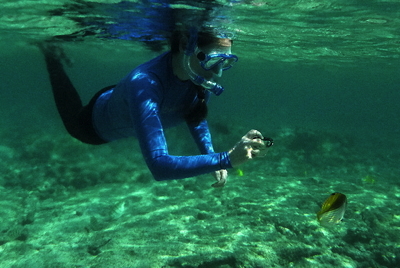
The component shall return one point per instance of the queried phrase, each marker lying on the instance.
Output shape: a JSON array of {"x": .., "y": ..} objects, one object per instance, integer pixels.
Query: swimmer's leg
[
  {"x": 66, "y": 97},
  {"x": 76, "y": 118}
]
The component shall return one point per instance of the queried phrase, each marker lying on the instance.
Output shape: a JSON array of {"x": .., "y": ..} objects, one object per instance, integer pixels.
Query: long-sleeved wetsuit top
[{"x": 149, "y": 99}]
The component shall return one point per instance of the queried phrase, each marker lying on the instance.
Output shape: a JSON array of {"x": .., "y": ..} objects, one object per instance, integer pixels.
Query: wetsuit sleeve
[
  {"x": 144, "y": 109},
  {"x": 201, "y": 135}
]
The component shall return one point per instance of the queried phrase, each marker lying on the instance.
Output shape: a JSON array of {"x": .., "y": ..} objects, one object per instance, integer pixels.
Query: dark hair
[
  {"x": 204, "y": 38},
  {"x": 200, "y": 110}
]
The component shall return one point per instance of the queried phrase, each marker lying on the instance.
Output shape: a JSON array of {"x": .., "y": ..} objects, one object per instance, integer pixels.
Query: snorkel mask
[
  {"x": 207, "y": 61},
  {"x": 210, "y": 61}
]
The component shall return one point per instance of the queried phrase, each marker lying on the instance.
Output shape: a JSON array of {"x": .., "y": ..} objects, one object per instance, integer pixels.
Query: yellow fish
[{"x": 332, "y": 210}]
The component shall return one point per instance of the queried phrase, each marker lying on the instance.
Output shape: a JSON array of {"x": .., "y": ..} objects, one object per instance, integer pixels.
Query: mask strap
[{"x": 192, "y": 43}]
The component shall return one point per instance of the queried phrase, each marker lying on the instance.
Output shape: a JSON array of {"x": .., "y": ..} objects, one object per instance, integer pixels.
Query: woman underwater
[{"x": 170, "y": 89}]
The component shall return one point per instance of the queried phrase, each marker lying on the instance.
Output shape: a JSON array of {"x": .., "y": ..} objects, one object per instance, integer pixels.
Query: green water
[{"x": 320, "y": 77}]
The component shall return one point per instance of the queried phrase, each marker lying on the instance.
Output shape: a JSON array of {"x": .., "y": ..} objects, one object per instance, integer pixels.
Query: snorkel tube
[{"x": 215, "y": 88}]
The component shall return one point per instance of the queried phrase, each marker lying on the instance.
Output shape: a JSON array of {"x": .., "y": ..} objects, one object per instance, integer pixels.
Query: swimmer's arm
[
  {"x": 150, "y": 133},
  {"x": 164, "y": 166},
  {"x": 202, "y": 136}
]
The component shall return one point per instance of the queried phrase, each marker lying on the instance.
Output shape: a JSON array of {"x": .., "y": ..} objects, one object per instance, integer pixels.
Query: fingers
[
  {"x": 219, "y": 184},
  {"x": 254, "y": 134},
  {"x": 255, "y": 144},
  {"x": 255, "y": 149},
  {"x": 250, "y": 146},
  {"x": 248, "y": 152},
  {"x": 221, "y": 176},
  {"x": 254, "y": 139},
  {"x": 259, "y": 153}
]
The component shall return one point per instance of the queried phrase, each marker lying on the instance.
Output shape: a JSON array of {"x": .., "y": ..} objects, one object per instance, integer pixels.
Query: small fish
[
  {"x": 332, "y": 210},
  {"x": 239, "y": 172},
  {"x": 117, "y": 210}
]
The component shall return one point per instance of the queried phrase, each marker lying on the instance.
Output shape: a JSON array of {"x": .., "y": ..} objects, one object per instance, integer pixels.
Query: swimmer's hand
[
  {"x": 221, "y": 176},
  {"x": 250, "y": 146}
]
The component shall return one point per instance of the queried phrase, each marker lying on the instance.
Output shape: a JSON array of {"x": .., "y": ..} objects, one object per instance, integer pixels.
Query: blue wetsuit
[{"x": 149, "y": 99}]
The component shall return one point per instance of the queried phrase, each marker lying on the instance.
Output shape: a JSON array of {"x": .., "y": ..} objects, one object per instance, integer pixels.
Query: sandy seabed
[{"x": 65, "y": 204}]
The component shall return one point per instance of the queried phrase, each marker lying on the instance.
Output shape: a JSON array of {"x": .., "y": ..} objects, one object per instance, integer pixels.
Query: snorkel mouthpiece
[{"x": 215, "y": 88}]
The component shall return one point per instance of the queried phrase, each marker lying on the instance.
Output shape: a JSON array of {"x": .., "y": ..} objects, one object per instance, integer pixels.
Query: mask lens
[
  {"x": 210, "y": 61},
  {"x": 228, "y": 63}
]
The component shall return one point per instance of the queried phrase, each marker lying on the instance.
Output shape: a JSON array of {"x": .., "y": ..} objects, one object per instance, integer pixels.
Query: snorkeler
[{"x": 163, "y": 92}]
